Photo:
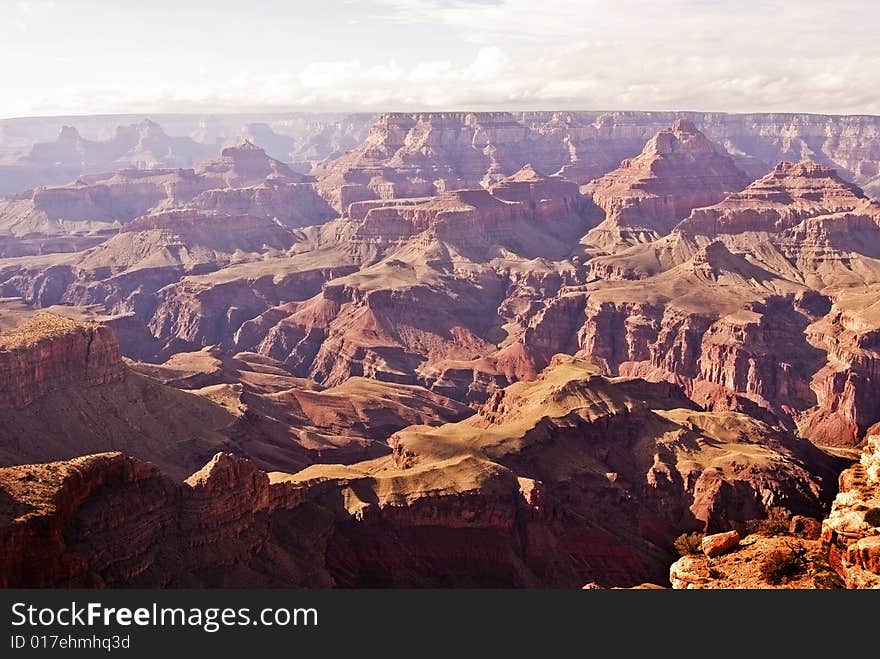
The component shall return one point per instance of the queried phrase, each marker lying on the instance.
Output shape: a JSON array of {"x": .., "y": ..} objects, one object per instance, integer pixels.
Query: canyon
[
  {"x": 527, "y": 503},
  {"x": 456, "y": 349}
]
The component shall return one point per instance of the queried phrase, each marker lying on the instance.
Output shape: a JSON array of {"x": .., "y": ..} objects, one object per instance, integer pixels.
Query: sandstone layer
[
  {"x": 852, "y": 529},
  {"x": 370, "y": 354},
  {"x": 678, "y": 170},
  {"x": 741, "y": 567},
  {"x": 521, "y": 494}
]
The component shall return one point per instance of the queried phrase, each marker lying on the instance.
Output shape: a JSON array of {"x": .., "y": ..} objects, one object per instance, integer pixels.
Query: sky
[{"x": 152, "y": 56}]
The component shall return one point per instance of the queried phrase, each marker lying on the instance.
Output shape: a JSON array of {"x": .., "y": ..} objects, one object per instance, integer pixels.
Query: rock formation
[
  {"x": 143, "y": 146},
  {"x": 287, "y": 423},
  {"x": 107, "y": 520},
  {"x": 293, "y": 205},
  {"x": 50, "y": 353},
  {"x": 852, "y": 529},
  {"x": 66, "y": 384},
  {"x": 99, "y": 203},
  {"x": 379, "y": 338},
  {"x": 242, "y": 180},
  {"x": 465, "y": 503},
  {"x": 742, "y": 567},
  {"x": 412, "y": 155},
  {"x": 67, "y": 392},
  {"x": 799, "y": 231},
  {"x": 472, "y": 214},
  {"x": 245, "y": 164},
  {"x": 678, "y": 170},
  {"x": 585, "y": 145},
  {"x": 790, "y": 193},
  {"x": 842, "y": 551},
  {"x": 186, "y": 238}
]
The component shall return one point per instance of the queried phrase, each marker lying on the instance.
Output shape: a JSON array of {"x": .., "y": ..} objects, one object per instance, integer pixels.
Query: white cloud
[
  {"x": 329, "y": 74},
  {"x": 489, "y": 63},
  {"x": 761, "y": 55},
  {"x": 31, "y": 7}
]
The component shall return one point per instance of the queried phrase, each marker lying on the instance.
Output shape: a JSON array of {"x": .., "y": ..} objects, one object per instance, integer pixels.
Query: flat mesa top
[{"x": 43, "y": 325}]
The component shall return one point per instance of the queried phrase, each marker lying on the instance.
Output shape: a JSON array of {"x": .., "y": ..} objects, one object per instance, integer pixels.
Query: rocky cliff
[
  {"x": 242, "y": 180},
  {"x": 852, "y": 529},
  {"x": 66, "y": 391},
  {"x": 292, "y": 204},
  {"x": 790, "y": 193},
  {"x": 50, "y": 353},
  {"x": 843, "y": 550},
  {"x": 107, "y": 520},
  {"x": 678, "y": 170},
  {"x": 598, "y": 141},
  {"x": 410, "y": 155},
  {"x": 472, "y": 214},
  {"x": 569, "y": 479}
]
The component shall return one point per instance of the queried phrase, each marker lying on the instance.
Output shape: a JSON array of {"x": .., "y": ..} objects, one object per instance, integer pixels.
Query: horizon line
[{"x": 266, "y": 112}]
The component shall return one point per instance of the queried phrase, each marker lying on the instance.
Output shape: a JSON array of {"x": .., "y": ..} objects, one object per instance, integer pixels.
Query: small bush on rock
[
  {"x": 688, "y": 543},
  {"x": 776, "y": 522},
  {"x": 781, "y": 565}
]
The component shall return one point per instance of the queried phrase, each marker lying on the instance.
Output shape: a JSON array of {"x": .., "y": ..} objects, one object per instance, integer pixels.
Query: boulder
[{"x": 719, "y": 543}]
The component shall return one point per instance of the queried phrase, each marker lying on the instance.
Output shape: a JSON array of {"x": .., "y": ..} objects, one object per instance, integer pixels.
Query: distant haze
[{"x": 105, "y": 56}]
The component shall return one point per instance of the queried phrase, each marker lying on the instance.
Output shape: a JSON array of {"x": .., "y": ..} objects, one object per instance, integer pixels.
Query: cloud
[
  {"x": 30, "y": 9},
  {"x": 34, "y": 7},
  {"x": 489, "y": 63},
  {"x": 766, "y": 55}
]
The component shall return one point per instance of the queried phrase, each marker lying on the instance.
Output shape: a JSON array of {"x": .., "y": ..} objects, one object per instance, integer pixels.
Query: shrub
[
  {"x": 688, "y": 543},
  {"x": 781, "y": 565},
  {"x": 872, "y": 517},
  {"x": 776, "y": 522}
]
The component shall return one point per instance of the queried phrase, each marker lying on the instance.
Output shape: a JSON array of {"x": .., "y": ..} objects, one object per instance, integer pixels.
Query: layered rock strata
[{"x": 852, "y": 529}]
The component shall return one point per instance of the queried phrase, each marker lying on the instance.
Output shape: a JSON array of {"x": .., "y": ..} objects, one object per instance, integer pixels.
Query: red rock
[
  {"x": 852, "y": 529},
  {"x": 412, "y": 155},
  {"x": 292, "y": 204},
  {"x": 678, "y": 170},
  {"x": 831, "y": 401},
  {"x": 780, "y": 200},
  {"x": 104, "y": 202},
  {"x": 742, "y": 569},
  {"x": 458, "y": 270},
  {"x": 473, "y": 509},
  {"x": 50, "y": 353},
  {"x": 482, "y": 215},
  {"x": 246, "y": 164},
  {"x": 719, "y": 543},
  {"x": 106, "y": 520}
]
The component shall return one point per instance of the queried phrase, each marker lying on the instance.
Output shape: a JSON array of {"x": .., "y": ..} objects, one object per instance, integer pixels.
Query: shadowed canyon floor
[{"x": 475, "y": 349}]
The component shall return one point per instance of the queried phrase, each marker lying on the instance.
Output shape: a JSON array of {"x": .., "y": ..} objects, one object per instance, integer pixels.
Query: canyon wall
[
  {"x": 852, "y": 529},
  {"x": 50, "y": 353}
]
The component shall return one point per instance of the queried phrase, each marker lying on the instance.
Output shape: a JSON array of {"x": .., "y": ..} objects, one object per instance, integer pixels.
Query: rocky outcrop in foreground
[
  {"x": 105, "y": 520},
  {"x": 852, "y": 529},
  {"x": 843, "y": 551},
  {"x": 65, "y": 391},
  {"x": 802, "y": 564}
]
